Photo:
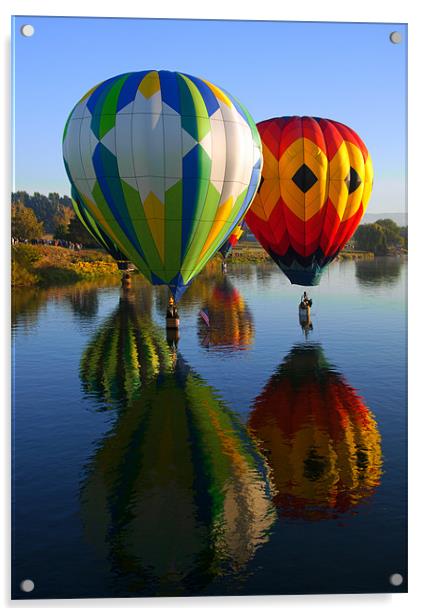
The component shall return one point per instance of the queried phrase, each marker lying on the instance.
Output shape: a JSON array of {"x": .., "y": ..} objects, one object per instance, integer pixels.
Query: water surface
[{"x": 257, "y": 456}]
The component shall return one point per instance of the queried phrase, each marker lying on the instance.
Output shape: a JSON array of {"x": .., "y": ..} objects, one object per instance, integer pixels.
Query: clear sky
[{"x": 347, "y": 72}]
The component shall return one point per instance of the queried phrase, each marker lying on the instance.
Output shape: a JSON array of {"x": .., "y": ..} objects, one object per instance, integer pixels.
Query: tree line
[
  {"x": 383, "y": 237},
  {"x": 37, "y": 216}
]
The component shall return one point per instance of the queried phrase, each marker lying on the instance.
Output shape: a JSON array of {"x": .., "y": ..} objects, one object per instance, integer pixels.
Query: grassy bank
[
  {"x": 355, "y": 254},
  {"x": 52, "y": 265},
  {"x": 249, "y": 252},
  {"x": 34, "y": 265}
]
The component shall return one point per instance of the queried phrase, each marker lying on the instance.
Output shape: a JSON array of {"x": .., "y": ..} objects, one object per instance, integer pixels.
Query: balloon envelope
[
  {"x": 315, "y": 186},
  {"x": 167, "y": 164}
]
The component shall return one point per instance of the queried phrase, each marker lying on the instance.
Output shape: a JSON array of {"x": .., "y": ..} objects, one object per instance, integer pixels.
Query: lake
[{"x": 254, "y": 456}]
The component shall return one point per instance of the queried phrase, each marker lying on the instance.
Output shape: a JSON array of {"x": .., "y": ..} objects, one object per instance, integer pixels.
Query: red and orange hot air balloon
[{"x": 315, "y": 186}]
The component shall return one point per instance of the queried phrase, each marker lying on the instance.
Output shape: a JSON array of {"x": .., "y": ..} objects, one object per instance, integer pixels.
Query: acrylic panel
[{"x": 209, "y": 312}]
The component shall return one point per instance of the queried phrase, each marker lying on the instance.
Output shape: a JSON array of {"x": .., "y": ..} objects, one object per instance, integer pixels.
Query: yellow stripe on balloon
[
  {"x": 368, "y": 182},
  {"x": 357, "y": 163},
  {"x": 150, "y": 84},
  {"x": 98, "y": 216},
  {"x": 317, "y": 161},
  {"x": 339, "y": 168},
  {"x": 87, "y": 94},
  {"x": 222, "y": 215},
  {"x": 154, "y": 211},
  {"x": 219, "y": 93}
]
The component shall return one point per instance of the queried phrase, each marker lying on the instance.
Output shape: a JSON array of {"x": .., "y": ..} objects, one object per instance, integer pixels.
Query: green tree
[
  {"x": 25, "y": 225},
  {"x": 372, "y": 238},
  {"x": 78, "y": 233},
  {"x": 61, "y": 232},
  {"x": 396, "y": 237},
  {"x": 51, "y": 210}
]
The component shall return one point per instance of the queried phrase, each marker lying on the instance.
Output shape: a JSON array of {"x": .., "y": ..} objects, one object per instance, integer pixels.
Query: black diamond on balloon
[
  {"x": 352, "y": 181},
  {"x": 304, "y": 178}
]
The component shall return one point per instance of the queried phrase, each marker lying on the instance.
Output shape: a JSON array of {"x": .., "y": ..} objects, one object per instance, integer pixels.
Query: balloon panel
[{"x": 94, "y": 229}]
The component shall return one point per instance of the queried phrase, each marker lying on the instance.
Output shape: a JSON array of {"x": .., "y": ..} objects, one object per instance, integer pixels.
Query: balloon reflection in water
[
  {"x": 231, "y": 323},
  {"x": 321, "y": 440},
  {"x": 176, "y": 493},
  {"x": 127, "y": 352}
]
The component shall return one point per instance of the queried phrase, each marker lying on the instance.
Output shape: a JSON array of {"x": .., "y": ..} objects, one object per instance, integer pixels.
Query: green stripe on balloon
[
  {"x": 119, "y": 236},
  {"x": 190, "y": 265},
  {"x": 141, "y": 226},
  {"x": 173, "y": 207}
]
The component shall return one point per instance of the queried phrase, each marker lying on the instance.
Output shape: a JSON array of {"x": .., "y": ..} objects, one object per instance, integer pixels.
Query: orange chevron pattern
[{"x": 316, "y": 183}]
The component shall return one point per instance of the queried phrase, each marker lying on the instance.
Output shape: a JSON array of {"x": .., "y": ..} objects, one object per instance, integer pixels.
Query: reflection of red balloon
[
  {"x": 319, "y": 437},
  {"x": 231, "y": 323},
  {"x": 315, "y": 186}
]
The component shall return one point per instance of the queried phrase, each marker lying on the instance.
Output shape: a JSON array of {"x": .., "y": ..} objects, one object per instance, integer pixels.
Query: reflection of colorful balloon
[
  {"x": 320, "y": 439},
  {"x": 231, "y": 323},
  {"x": 315, "y": 186},
  {"x": 125, "y": 354},
  {"x": 167, "y": 165},
  {"x": 176, "y": 494}
]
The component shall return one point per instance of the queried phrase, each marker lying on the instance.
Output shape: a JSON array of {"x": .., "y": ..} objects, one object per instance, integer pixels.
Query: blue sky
[{"x": 347, "y": 72}]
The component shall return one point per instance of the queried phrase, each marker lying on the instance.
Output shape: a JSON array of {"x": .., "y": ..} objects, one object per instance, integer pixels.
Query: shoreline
[{"x": 41, "y": 266}]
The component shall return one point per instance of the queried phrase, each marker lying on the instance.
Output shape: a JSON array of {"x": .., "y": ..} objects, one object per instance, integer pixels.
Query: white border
[{"x": 307, "y": 10}]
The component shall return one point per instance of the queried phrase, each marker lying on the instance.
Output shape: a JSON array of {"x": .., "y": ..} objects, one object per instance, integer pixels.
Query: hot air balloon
[
  {"x": 226, "y": 249},
  {"x": 315, "y": 186},
  {"x": 319, "y": 437},
  {"x": 167, "y": 165},
  {"x": 176, "y": 493}
]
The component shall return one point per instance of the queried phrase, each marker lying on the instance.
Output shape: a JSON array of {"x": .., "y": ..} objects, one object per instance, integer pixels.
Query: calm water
[{"x": 256, "y": 457}]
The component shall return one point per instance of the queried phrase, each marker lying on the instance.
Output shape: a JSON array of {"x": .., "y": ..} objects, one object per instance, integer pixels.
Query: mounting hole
[
  {"x": 395, "y": 37},
  {"x": 27, "y": 585},
  {"x": 396, "y": 579},
  {"x": 27, "y": 30}
]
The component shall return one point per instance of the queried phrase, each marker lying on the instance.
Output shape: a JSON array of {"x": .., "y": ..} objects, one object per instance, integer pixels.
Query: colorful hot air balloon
[
  {"x": 167, "y": 165},
  {"x": 319, "y": 437},
  {"x": 86, "y": 219},
  {"x": 315, "y": 186},
  {"x": 231, "y": 241}
]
